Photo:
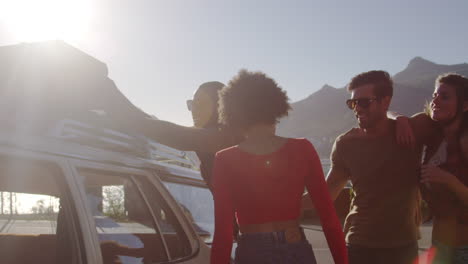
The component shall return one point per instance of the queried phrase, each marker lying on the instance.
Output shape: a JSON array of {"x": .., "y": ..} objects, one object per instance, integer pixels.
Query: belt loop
[
  {"x": 281, "y": 237},
  {"x": 276, "y": 238}
]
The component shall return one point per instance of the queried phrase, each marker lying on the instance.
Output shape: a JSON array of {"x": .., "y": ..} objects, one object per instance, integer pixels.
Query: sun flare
[{"x": 33, "y": 20}]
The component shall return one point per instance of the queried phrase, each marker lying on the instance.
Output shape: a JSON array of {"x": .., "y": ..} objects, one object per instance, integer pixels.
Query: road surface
[{"x": 316, "y": 237}]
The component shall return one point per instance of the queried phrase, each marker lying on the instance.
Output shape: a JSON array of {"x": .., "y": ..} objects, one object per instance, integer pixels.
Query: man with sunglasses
[
  {"x": 206, "y": 137},
  {"x": 382, "y": 225}
]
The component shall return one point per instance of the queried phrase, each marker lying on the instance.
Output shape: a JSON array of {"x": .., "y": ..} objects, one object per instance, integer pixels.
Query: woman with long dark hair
[
  {"x": 446, "y": 190},
  {"x": 261, "y": 181},
  {"x": 444, "y": 172}
]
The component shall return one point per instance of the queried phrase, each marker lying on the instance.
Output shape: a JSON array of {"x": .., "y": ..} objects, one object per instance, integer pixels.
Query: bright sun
[{"x": 36, "y": 20}]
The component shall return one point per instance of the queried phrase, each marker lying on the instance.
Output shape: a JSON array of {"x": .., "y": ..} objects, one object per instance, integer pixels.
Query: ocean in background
[{"x": 325, "y": 166}]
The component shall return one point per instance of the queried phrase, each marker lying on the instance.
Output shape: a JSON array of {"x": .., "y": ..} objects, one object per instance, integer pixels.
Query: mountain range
[{"x": 323, "y": 115}]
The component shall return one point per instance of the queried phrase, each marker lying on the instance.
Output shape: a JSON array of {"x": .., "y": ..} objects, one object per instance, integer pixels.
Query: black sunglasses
[{"x": 362, "y": 102}]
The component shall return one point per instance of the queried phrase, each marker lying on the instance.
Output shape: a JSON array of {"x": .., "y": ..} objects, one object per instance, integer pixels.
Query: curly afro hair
[{"x": 252, "y": 98}]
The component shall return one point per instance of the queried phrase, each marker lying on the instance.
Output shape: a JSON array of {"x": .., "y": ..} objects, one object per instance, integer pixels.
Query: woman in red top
[{"x": 261, "y": 181}]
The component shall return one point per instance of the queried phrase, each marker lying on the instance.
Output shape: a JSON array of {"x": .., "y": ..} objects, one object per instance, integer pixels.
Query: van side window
[
  {"x": 197, "y": 203},
  {"x": 36, "y": 217},
  {"x": 175, "y": 237},
  {"x": 126, "y": 228}
]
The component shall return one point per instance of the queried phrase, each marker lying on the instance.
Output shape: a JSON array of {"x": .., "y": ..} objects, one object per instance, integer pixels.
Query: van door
[
  {"x": 38, "y": 218},
  {"x": 133, "y": 218},
  {"x": 197, "y": 203}
]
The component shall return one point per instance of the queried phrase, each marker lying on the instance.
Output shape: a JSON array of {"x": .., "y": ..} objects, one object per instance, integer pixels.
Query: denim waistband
[{"x": 278, "y": 237}]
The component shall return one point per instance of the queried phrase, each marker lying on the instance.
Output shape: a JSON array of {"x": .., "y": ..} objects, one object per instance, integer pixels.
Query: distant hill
[{"x": 323, "y": 115}]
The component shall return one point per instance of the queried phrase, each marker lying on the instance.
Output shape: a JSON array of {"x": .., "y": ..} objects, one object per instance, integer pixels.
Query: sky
[{"x": 159, "y": 52}]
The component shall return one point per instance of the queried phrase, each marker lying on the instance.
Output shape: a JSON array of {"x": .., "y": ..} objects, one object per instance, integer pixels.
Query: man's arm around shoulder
[{"x": 424, "y": 127}]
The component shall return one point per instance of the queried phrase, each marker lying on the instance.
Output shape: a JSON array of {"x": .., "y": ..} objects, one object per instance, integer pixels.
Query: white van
[
  {"x": 65, "y": 202},
  {"x": 73, "y": 191}
]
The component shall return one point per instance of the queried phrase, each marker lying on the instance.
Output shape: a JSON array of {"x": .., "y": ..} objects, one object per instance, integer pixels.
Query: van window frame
[
  {"x": 175, "y": 179},
  {"x": 58, "y": 167},
  {"x": 132, "y": 173},
  {"x": 166, "y": 178}
]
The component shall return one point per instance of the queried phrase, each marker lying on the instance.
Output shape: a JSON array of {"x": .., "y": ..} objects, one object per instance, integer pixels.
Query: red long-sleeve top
[{"x": 268, "y": 188}]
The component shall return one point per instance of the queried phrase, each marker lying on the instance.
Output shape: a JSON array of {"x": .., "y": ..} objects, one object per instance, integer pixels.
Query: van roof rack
[{"x": 109, "y": 139}]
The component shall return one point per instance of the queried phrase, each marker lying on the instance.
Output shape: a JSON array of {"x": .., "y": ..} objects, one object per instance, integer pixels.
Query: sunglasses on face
[
  {"x": 189, "y": 104},
  {"x": 361, "y": 102}
]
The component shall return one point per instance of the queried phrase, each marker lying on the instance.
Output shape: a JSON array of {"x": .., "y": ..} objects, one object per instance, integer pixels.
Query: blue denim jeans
[{"x": 272, "y": 248}]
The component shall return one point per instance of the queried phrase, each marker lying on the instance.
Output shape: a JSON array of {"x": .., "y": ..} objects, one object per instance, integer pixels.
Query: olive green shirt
[{"x": 384, "y": 211}]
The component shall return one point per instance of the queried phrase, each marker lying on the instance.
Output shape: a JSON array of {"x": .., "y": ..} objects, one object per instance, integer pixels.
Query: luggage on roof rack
[
  {"x": 51, "y": 88},
  {"x": 105, "y": 138}
]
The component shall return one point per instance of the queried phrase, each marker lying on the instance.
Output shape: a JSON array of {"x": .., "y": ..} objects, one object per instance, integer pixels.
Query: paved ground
[
  {"x": 313, "y": 233},
  {"x": 316, "y": 237},
  {"x": 27, "y": 227}
]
